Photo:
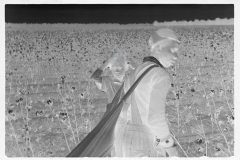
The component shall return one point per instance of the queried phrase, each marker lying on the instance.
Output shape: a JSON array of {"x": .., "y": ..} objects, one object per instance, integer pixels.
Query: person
[
  {"x": 142, "y": 129},
  {"x": 118, "y": 65}
]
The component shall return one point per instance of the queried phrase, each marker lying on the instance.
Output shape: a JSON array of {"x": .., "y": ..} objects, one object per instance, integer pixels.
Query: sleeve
[
  {"x": 156, "y": 116},
  {"x": 127, "y": 86},
  {"x": 105, "y": 82}
]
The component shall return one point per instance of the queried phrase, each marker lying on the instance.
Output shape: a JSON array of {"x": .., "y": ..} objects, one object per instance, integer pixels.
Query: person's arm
[
  {"x": 156, "y": 116},
  {"x": 97, "y": 75}
]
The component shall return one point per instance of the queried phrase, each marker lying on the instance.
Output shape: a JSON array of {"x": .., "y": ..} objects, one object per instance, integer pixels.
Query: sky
[{"x": 114, "y": 13}]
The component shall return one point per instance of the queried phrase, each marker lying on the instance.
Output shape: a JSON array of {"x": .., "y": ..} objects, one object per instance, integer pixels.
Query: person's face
[
  {"x": 118, "y": 68},
  {"x": 119, "y": 72},
  {"x": 167, "y": 52}
]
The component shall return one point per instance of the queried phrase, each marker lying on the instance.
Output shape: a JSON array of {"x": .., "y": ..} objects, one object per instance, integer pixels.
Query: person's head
[
  {"x": 164, "y": 45},
  {"x": 119, "y": 65}
]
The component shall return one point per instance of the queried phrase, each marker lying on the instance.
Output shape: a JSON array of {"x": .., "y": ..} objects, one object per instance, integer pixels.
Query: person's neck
[
  {"x": 119, "y": 80},
  {"x": 155, "y": 56}
]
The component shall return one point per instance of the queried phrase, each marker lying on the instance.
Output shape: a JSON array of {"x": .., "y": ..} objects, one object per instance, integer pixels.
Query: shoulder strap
[
  {"x": 131, "y": 89},
  {"x": 136, "y": 83},
  {"x": 150, "y": 59},
  {"x": 136, "y": 118}
]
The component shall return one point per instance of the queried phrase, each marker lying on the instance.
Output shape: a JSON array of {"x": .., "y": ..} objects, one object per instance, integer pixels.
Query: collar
[{"x": 152, "y": 59}]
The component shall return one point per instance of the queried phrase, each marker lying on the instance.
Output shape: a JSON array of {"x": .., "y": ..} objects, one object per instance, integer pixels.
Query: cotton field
[{"x": 51, "y": 103}]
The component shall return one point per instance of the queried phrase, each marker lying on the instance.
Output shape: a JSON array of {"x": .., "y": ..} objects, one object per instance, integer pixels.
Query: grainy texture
[{"x": 51, "y": 104}]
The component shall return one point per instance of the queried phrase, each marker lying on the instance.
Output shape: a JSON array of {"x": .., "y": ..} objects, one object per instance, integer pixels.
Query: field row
[{"x": 51, "y": 104}]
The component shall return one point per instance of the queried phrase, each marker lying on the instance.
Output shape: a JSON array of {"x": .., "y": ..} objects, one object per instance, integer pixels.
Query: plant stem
[
  {"x": 179, "y": 145},
  {"x": 225, "y": 95},
  {"x": 178, "y": 102},
  {"x": 16, "y": 138},
  {"x": 69, "y": 124},
  {"x": 64, "y": 135},
  {"x": 89, "y": 114},
  {"x": 75, "y": 118}
]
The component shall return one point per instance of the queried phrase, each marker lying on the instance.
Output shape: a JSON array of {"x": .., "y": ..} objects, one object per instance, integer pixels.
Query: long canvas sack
[{"x": 99, "y": 142}]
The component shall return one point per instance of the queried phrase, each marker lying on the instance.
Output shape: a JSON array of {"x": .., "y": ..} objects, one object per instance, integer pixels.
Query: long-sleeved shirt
[
  {"x": 110, "y": 87},
  {"x": 106, "y": 83},
  {"x": 150, "y": 97}
]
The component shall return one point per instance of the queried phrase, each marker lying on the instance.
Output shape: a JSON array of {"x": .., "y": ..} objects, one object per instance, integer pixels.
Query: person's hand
[
  {"x": 172, "y": 151},
  {"x": 130, "y": 64},
  {"x": 166, "y": 144}
]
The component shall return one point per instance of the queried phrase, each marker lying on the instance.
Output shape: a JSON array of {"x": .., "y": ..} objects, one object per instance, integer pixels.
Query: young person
[
  {"x": 143, "y": 130},
  {"x": 118, "y": 65}
]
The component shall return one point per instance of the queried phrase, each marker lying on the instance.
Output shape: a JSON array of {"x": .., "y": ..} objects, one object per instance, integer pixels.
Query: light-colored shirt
[
  {"x": 150, "y": 98},
  {"x": 110, "y": 87}
]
